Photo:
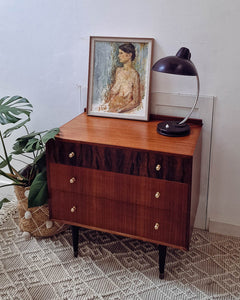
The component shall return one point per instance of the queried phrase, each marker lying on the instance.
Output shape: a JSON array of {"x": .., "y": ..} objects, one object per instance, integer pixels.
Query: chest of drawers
[{"x": 122, "y": 177}]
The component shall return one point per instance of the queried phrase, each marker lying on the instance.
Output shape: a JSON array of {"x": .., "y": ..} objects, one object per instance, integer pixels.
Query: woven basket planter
[{"x": 35, "y": 221}]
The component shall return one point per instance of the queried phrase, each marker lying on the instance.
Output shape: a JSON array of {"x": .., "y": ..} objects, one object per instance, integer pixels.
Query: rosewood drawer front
[
  {"x": 118, "y": 187},
  {"x": 121, "y": 160},
  {"x": 167, "y": 225},
  {"x": 146, "y": 208}
]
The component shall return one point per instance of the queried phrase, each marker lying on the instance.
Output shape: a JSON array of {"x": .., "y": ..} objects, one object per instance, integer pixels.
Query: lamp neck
[{"x": 194, "y": 104}]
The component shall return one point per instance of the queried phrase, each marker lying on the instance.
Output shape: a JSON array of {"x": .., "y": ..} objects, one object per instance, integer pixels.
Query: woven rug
[{"x": 114, "y": 267}]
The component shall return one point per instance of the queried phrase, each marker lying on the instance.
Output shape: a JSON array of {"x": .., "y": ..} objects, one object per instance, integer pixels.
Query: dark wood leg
[
  {"x": 162, "y": 257},
  {"x": 75, "y": 240}
]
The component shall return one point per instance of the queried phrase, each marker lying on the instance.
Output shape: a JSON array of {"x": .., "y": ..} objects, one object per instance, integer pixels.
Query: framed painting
[{"x": 119, "y": 77}]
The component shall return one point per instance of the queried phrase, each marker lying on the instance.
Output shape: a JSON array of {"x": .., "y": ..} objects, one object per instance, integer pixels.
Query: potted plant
[{"x": 15, "y": 114}]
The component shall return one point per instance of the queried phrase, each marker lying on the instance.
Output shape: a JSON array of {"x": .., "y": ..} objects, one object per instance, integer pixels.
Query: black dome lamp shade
[{"x": 179, "y": 65}]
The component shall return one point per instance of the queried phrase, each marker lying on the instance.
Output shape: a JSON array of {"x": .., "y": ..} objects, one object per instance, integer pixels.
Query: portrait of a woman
[
  {"x": 119, "y": 77},
  {"x": 124, "y": 94}
]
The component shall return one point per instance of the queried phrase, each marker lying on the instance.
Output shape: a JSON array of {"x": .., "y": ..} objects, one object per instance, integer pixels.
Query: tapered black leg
[
  {"x": 75, "y": 240},
  {"x": 162, "y": 257}
]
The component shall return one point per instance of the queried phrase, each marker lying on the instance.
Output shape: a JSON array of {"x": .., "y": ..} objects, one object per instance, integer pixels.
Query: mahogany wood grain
[
  {"x": 137, "y": 190},
  {"x": 127, "y": 133},
  {"x": 122, "y": 217}
]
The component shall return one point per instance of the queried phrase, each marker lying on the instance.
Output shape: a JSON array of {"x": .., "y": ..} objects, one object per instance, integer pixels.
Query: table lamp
[{"x": 179, "y": 65}]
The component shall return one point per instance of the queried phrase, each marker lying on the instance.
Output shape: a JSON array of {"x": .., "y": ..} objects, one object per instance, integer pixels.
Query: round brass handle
[
  {"x": 156, "y": 226},
  {"x": 73, "y": 209},
  {"x": 72, "y": 180},
  {"x": 70, "y": 155},
  {"x": 158, "y": 167},
  {"x": 157, "y": 195}
]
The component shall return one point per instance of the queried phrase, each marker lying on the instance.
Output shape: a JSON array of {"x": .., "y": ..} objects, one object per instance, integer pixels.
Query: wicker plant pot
[{"x": 35, "y": 221}]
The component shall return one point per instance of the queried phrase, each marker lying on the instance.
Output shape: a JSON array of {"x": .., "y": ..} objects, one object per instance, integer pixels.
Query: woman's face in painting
[{"x": 124, "y": 56}]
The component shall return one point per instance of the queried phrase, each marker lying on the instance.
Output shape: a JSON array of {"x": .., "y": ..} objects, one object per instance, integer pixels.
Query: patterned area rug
[{"x": 114, "y": 267}]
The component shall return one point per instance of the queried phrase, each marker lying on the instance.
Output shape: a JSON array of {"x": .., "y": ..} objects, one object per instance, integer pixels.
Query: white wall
[{"x": 44, "y": 56}]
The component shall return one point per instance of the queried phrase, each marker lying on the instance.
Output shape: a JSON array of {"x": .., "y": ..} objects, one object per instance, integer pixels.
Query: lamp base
[{"x": 173, "y": 128}]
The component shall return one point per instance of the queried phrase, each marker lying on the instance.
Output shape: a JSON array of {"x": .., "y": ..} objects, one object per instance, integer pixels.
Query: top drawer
[{"x": 121, "y": 160}]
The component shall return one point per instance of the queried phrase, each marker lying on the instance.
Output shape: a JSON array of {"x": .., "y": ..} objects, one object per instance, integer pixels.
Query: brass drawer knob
[
  {"x": 70, "y": 155},
  {"x": 72, "y": 180},
  {"x": 158, "y": 167},
  {"x": 73, "y": 209},
  {"x": 157, "y": 195},
  {"x": 156, "y": 226}
]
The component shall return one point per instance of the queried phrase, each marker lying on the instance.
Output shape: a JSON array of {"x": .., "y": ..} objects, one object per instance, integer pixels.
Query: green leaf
[
  {"x": 39, "y": 145},
  {"x": 50, "y": 135},
  {"x": 33, "y": 141},
  {"x": 29, "y": 136},
  {"x": 2, "y": 99},
  {"x": 11, "y": 109},
  {"x": 38, "y": 191},
  {"x": 4, "y": 162},
  {"x": 8, "y": 132},
  {"x": 4, "y": 200},
  {"x": 31, "y": 145},
  {"x": 27, "y": 143},
  {"x": 18, "y": 147},
  {"x": 40, "y": 161}
]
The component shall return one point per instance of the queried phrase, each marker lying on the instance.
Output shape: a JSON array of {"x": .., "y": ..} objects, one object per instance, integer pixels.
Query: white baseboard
[{"x": 224, "y": 228}]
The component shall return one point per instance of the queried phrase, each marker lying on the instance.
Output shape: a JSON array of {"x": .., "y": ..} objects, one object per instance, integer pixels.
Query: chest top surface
[{"x": 127, "y": 133}]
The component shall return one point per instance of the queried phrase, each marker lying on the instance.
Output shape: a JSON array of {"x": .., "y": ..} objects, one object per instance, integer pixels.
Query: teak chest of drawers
[{"x": 122, "y": 177}]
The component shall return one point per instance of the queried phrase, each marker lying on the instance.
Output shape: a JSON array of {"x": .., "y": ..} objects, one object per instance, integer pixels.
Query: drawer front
[
  {"x": 138, "y": 190},
  {"x": 121, "y": 160},
  {"x": 166, "y": 225}
]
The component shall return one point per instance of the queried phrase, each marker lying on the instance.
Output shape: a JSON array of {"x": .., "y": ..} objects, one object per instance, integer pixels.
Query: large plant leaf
[
  {"x": 38, "y": 194},
  {"x": 8, "y": 132},
  {"x": 40, "y": 161},
  {"x": 33, "y": 141},
  {"x": 19, "y": 146},
  {"x": 50, "y": 134},
  {"x": 29, "y": 136},
  {"x": 4, "y": 200},
  {"x": 27, "y": 143},
  {"x": 11, "y": 109},
  {"x": 32, "y": 145}
]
